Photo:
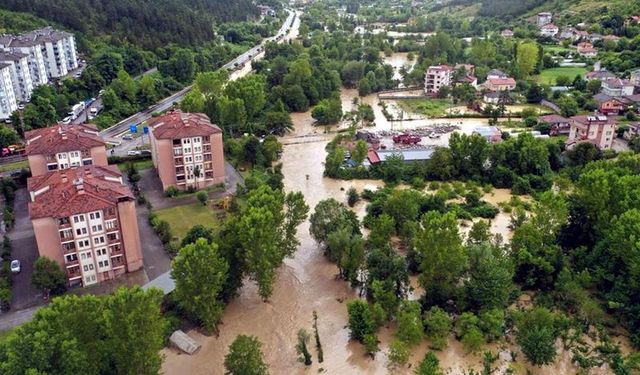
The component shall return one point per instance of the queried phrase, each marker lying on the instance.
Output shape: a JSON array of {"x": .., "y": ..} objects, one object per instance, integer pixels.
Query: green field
[
  {"x": 182, "y": 218},
  {"x": 427, "y": 107},
  {"x": 14, "y": 166},
  {"x": 556, "y": 48},
  {"x": 548, "y": 76},
  {"x": 139, "y": 164}
]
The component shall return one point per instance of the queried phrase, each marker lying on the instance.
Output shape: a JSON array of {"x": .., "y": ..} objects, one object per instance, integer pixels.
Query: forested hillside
[{"x": 146, "y": 23}]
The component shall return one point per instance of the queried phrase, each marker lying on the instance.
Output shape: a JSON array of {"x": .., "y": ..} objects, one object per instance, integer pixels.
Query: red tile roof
[
  {"x": 177, "y": 124},
  {"x": 72, "y": 191},
  {"x": 502, "y": 81},
  {"x": 549, "y": 26},
  {"x": 373, "y": 157},
  {"x": 554, "y": 119},
  {"x": 594, "y": 120},
  {"x": 62, "y": 138}
]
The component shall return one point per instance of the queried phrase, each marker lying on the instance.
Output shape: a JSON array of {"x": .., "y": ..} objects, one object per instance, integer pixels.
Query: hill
[{"x": 147, "y": 23}]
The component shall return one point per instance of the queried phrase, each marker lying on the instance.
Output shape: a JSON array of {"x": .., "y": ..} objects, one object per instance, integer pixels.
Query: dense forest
[
  {"x": 496, "y": 8},
  {"x": 147, "y": 23}
]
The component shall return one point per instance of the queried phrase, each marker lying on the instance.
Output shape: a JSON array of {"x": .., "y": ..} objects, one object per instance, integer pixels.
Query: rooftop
[
  {"x": 72, "y": 191},
  {"x": 12, "y": 56},
  {"x": 177, "y": 124},
  {"x": 62, "y": 138},
  {"x": 551, "y": 119}
]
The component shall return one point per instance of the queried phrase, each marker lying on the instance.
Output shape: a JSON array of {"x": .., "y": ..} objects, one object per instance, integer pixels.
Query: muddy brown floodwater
[{"x": 308, "y": 282}]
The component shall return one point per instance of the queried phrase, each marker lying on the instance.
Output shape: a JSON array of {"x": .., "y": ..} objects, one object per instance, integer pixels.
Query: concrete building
[
  {"x": 544, "y": 18},
  {"x": 599, "y": 74},
  {"x": 187, "y": 150},
  {"x": 20, "y": 74},
  {"x": 491, "y": 133},
  {"x": 559, "y": 125},
  {"x": 549, "y": 30},
  {"x": 85, "y": 219},
  {"x": 63, "y": 147},
  {"x": 599, "y": 130},
  {"x": 36, "y": 62},
  {"x": 437, "y": 77},
  {"x": 8, "y": 102},
  {"x": 496, "y": 73},
  {"x": 634, "y": 78},
  {"x": 617, "y": 87},
  {"x": 500, "y": 84},
  {"x": 586, "y": 49}
]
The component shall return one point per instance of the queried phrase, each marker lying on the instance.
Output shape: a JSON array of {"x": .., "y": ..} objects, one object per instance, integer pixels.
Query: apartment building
[
  {"x": 187, "y": 150},
  {"x": 599, "y": 130},
  {"x": 20, "y": 74},
  {"x": 36, "y": 63},
  {"x": 85, "y": 219},
  {"x": 437, "y": 77},
  {"x": 8, "y": 102},
  {"x": 64, "y": 146},
  {"x": 617, "y": 87},
  {"x": 544, "y": 18}
]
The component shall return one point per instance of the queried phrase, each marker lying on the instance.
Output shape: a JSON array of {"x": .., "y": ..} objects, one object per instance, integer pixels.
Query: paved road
[
  {"x": 243, "y": 59},
  {"x": 25, "y": 249}
]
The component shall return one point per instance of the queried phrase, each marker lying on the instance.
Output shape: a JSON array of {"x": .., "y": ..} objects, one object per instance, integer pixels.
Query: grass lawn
[
  {"x": 14, "y": 166},
  {"x": 556, "y": 48},
  {"x": 182, "y": 218},
  {"x": 548, "y": 76},
  {"x": 139, "y": 164},
  {"x": 427, "y": 107}
]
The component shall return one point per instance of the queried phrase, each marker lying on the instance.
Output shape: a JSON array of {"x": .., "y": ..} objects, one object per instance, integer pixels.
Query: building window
[
  {"x": 81, "y": 231},
  {"x": 70, "y": 258},
  {"x": 206, "y": 138},
  {"x": 110, "y": 224},
  {"x": 78, "y": 219},
  {"x": 98, "y": 240},
  {"x": 96, "y": 228},
  {"x": 112, "y": 236},
  {"x": 67, "y": 233},
  {"x": 69, "y": 246},
  {"x": 63, "y": 221},
  {"x": 94, "y": 215},
  {"x": 83, "y": 244},
  {"x": 111, "y": 211}
]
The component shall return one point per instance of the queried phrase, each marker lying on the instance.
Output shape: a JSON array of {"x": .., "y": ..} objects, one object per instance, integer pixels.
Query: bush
[
  {"x": 352, "y": 197},
  {"x": 203, "y": 197},
  {"x": 172, "y": 191},
  {"x": 5, "y": 295}
]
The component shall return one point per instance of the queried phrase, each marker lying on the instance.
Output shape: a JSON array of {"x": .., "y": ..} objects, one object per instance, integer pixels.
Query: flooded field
[
  {"x": 308, "y": 283},
  {"x": 399, "y": 60}
]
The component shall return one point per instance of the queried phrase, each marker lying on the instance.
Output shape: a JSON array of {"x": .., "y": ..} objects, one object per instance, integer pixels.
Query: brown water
[
  {"x": 308, "y": 282},
  {"x": 398, "y": 60}
]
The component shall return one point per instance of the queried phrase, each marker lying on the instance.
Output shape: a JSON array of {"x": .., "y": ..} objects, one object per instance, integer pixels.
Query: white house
[
  {"x": 437, "y": 77},
  {"x": 617, "y": 87},
  {"x": 549, "y": 30},
  {"x": 544, "y": 18}
]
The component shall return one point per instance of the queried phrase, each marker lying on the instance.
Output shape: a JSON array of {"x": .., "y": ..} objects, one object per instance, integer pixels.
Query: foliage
[
  {"x": 430, "y": 365},
  {"x": 48, "y": 276},
  {"x": 398, "y": 353},
  {"x": 536, "y": 334},
  {"x": 360, "y": 322},
  {"x": 437, "y": 325},
  {"x": 245, "y": 357},
  {"x": 301, "y": 347},
  {"x": 200, "y": 273},
  {"x": 410, "y": 329}
]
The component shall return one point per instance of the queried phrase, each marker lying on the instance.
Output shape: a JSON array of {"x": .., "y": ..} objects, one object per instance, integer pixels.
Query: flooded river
[{"x": 308, "y": 282}]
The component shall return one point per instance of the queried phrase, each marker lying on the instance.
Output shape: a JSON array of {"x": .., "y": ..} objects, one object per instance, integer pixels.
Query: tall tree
[
  {"x": 526, "y": 59},
  {"x": 245, "y": 357},
  {"x": 200, "y": 273}
]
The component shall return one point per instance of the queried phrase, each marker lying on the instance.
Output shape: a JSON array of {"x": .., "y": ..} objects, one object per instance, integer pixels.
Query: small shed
[{"x": 182, "y": 341}]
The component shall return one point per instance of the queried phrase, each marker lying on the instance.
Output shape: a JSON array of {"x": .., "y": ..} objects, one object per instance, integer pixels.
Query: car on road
[
  {"x": 15, "y": 266},
  {"x": 127, "y": 137},
  {"x": 66, "y": 120},
  {"x": 145, "y": 152},
  {"x": 21, "y": 106},
  {"x": 93, "y": 111},
  {"x": 134, "y": 152}
]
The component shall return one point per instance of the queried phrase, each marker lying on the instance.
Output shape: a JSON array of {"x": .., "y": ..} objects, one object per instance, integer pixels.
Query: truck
[{"x": 76, "y": 110}]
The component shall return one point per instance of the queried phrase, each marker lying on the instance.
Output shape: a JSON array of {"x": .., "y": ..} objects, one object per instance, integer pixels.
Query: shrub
[
  {"x": 352, "y": 197},
  {"x": 171, "y": 191},
  {"x": 203, "y": 197}
]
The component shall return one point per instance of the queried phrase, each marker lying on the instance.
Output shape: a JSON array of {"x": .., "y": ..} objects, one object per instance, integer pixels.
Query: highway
[{"x": 288, "y": 28}]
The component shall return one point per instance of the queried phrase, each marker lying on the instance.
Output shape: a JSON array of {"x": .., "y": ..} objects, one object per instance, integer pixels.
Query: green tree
[
  {"x": 200, "y": 273},
  {"x": 489, "y": 280},
  {"x": 329, "y": 217},
  {"x": 536, "y": 334},
  {"x": 48, "y": 276},
  {"x": 196, "y": 232},
  {"x": 328, "y": 111},
  {"x": 568, "y": 105},
  {"x": 468, "y": 332},
  {"x": 430, "y": 365},
  {"x": 252, "y": 90},
  {"x": 108, "y": 65},
  {"x": 245, "y": 357},
  {"x": 398, "y": 353},
  {"x": 125, "y": 87},
  {"x": 346, "y": 249},
  {"x": 193, "y": 101},
  {"x": 381, "y": 231},
  {"x": 360, "y": 322},
  {"x": 526, "y": 59},
  {"x": 39, "y": 113},
  {"x": 147, "y": 89},
  {"x": 7, "y": 136},
  {"x": 410, "y": 329},
  {"x": 211, "y": 83},
  {"x": 443, "y": 257},
  {"x": 233, "y": 115},
  {"x": 269, "y": 223},
  {"x": 492, "y": 324},
  {"x": 437, "y": 325},
  {"x": 359, "y": 153}
]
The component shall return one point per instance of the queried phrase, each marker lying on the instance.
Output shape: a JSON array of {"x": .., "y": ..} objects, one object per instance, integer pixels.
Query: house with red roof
[{"x": 599, "y": 130}]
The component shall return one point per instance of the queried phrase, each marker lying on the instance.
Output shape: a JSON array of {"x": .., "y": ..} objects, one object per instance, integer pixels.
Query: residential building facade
[
  {"x": 549, "y": 30},
  {"x": 634, "y": 78},
  {"x": 85, "y": 219},
  {"x": 437, "y": 77},
  {"x": 586, "y": 49},
  {"x": 617, "y": 87},
  {"x": 599, "y": 130},
  {"x": 187, "y": 150},
  {"x": 64, "y": 146},
  {"x": 8, "y": 102},
  {"x": 544, "y": 18},
  {"x": 37, "y": 67},
  {"x": 20, "y": 74},
  {"x": 558, "y": 125}
]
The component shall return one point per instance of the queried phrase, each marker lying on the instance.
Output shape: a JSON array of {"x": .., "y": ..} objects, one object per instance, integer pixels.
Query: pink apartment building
[
  {"x": 599, "y": 130},
  {"x": 437, "y": 77},
  {"x": 85, "y": 219},
  {"x": 64, "y": 146},
  {"x": 187, "y": 150}
]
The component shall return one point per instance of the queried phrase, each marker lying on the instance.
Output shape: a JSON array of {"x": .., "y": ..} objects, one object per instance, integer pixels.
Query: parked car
[
  {"x": 66, "y": 120},
  {"x": 15, "y": 266},
  {"x": 127, "y": 137},
  {"x": 21, "y": 106},
  {"x": 134, "y": 152},
  {"x": 145, "y": 152}
]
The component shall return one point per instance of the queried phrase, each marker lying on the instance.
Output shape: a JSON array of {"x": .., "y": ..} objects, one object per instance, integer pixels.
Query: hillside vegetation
[{"x": 146, "y": 23}]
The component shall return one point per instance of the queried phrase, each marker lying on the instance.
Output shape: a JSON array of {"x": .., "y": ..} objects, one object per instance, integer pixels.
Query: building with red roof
[
  {"x": 187, "y": 150},
  {"x": 84, "y": 218},
  {"x": 599, "y": 130}
]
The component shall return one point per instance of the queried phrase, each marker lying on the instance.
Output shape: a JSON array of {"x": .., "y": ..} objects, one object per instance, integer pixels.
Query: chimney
[{"x": 63, "y": 177}]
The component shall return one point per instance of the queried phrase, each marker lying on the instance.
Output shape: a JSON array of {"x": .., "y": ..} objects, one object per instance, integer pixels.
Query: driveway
[{"x": 25, "y": 249}]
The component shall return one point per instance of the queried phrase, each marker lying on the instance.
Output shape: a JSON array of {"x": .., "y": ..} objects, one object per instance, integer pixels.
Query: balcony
[
  {"x": 73, "y": 272},
  {"x": 72, "y": 263},
  {"x": 117, "y": 262}
]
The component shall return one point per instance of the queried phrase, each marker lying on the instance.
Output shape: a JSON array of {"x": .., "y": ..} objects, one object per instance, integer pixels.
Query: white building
[
  {"x": 36, "y": 59},
  {"x": 437, "y": 77},
  {"x": 544, "y": 18},
  {"x": 549, "y": 30},
  {"x": 8, "y": 103},
  {"x": 635, "y": 77},
  {"x": 20, "y": 74}
]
